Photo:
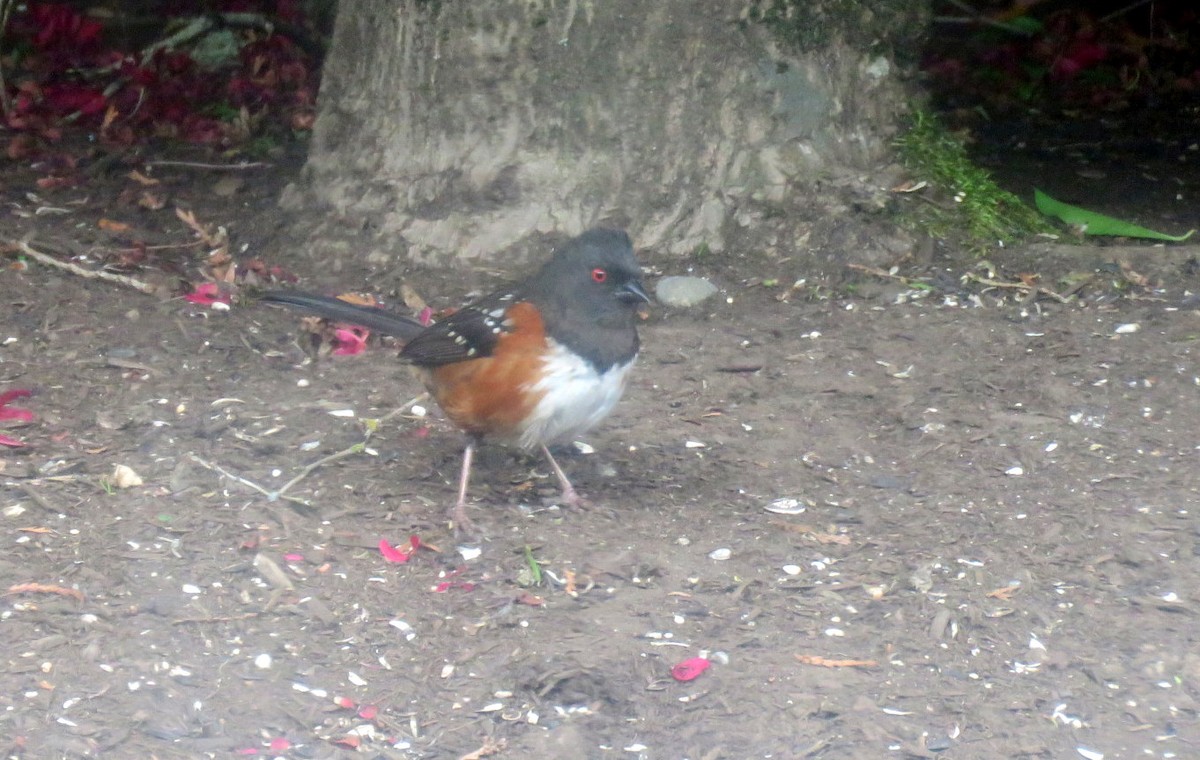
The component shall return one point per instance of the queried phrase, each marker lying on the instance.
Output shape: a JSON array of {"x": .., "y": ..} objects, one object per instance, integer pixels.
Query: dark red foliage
[
  {"x": 67, "y": 75},
  {"x": 1101, "y": 55}
]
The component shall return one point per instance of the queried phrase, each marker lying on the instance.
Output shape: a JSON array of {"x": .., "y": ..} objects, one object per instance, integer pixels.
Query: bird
[{"x": 539, "y": 362}]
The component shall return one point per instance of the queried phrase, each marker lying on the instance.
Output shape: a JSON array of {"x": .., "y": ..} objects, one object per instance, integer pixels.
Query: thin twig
[
  {"x": 1034, "y": 289},
  {"x": 6, "y": 7},
  {"x": 90, "y": 274},
  {"x": 877, "y": 272},
  {"x": 308, "y": 470},
  {"x": 404, "y": 408},
  {"x": 213, "y": 167},
  {"x": 357, "y": 448}
]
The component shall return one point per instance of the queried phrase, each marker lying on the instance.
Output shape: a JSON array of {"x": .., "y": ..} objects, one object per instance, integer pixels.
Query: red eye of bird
[{"x": 599, "y": 275}]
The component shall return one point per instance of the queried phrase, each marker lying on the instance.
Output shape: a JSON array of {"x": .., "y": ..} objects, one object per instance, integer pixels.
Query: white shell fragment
[
  {"x": 786, "y": 507},
  {"x": 1090, "y": 754},
  {"x": 1127, "y": 328},
  {"x": 720, "y": 555}
]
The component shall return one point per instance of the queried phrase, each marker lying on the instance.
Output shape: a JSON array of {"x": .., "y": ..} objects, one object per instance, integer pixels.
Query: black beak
[{"x": 632, "y": 292}]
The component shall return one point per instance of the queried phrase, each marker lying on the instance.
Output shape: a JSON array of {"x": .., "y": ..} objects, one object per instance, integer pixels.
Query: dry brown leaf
[
  {"x": 411, "y": 298},
  {"x": 108, "y": 225},
  {"x": 45, "y": 588},
  {"x": 1004, "y": 593},
  {"x": 815, "y": 659},
  {"x": 142, "y": 179},
  {"x": 110, "y": 116},
  {"x": 821, "y": 537},
  {"x": 490, "y": 747},
  {"x": 152, "y": 201},
  {"x": 358, "y": 299}
]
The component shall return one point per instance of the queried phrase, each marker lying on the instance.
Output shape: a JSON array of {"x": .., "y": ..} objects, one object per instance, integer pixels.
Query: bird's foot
[{"x": 463, "y": 526}]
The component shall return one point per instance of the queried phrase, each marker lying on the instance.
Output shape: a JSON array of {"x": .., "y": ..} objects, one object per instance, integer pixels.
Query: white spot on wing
[{"x": 575, "y": 397}]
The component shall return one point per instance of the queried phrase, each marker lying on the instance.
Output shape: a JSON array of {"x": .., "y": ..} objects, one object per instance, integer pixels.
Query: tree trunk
[{"x": 455, "y": 130}]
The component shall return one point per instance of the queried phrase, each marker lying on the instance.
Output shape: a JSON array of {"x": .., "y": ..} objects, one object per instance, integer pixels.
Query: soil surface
[{"x": 898, "y": 522}]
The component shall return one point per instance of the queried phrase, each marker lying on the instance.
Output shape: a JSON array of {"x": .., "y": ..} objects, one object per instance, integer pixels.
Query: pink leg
[
  {"x": 569, "y": 494},
  {"x": 459, "y": 515}
]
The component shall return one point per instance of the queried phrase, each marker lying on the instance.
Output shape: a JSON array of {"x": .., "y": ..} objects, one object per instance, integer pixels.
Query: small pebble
[
  {"x": 682, "y": 292},
  {"x": 1127, "y": 328},
  {"x": 720, "y": 554},
  {"x": 791, "y": 569}
]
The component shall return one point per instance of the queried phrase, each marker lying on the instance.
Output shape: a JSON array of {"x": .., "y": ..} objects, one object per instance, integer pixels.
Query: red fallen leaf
[
  {"x": 53, "y": 183},
  {"x": 12, "y": 413},
  {"x": 350, "y": 340},
  {"x": 207, "y": 294},
  {"x": 368, "y": 712},
  {"x": 399, "y": 555},
  {"x": 689, "y": 670},
  {"x": 445, "y": 586},
  {"x": 278, "y": 744},
  {"x": 531, "y": 600},
  {"x": 7, "y": 413}
]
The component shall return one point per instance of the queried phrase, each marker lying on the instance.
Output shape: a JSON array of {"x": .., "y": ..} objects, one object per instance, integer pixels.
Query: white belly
[{"x": 574, "y": 397}]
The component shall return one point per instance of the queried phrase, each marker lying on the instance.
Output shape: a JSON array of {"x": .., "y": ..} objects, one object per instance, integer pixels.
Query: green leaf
[{"x": 1092, "y": 223}]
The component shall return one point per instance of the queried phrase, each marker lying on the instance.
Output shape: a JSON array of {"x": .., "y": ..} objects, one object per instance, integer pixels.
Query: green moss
[{"x": 968, "y": 205}]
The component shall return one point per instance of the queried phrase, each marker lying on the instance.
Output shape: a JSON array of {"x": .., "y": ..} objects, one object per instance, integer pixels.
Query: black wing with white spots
[{"x": 469, "y": 333}]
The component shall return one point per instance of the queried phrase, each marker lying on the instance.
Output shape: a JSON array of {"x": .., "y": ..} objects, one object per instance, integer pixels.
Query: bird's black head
[
  {"x": 589, "y": 293},
  {"x": 595, "y": 272}
]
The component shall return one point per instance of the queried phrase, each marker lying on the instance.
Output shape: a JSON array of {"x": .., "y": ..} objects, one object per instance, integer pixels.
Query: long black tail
[{"x": 341, "y": 311}]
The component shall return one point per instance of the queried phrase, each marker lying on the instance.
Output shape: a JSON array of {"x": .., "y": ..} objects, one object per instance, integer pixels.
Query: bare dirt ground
[{"x": 991, "y": 552}]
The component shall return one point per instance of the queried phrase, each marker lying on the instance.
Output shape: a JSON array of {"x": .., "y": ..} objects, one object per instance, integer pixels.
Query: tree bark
[{"x": 456, "y": 130}]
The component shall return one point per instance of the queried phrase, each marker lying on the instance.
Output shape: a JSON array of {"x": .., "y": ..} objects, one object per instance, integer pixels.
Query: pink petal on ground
[
  {"x": 425, "y": 317},
  {"x": 350, "y": 340},
  {"x": 294, "y": 557},
  {"x": 278, "y": 744},
  {"x": 208, "y": 293},
  {"x": 345, "y": 702},
  {"x": 7, "y": 413},
  {"x": 368, "y": 712},
  {"x": 11, "y": 442},
  {"x": 8, "y": 396},
  {"x": 399, "y": 555},
  {"x": 689, "y": 670}
]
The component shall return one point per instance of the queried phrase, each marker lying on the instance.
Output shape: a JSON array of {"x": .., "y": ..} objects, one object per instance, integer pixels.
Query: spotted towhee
[{"x": 543, "y": 361}]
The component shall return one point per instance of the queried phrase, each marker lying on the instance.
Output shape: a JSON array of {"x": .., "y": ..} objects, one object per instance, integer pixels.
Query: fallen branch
[{"x": 89, "y": 274}]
